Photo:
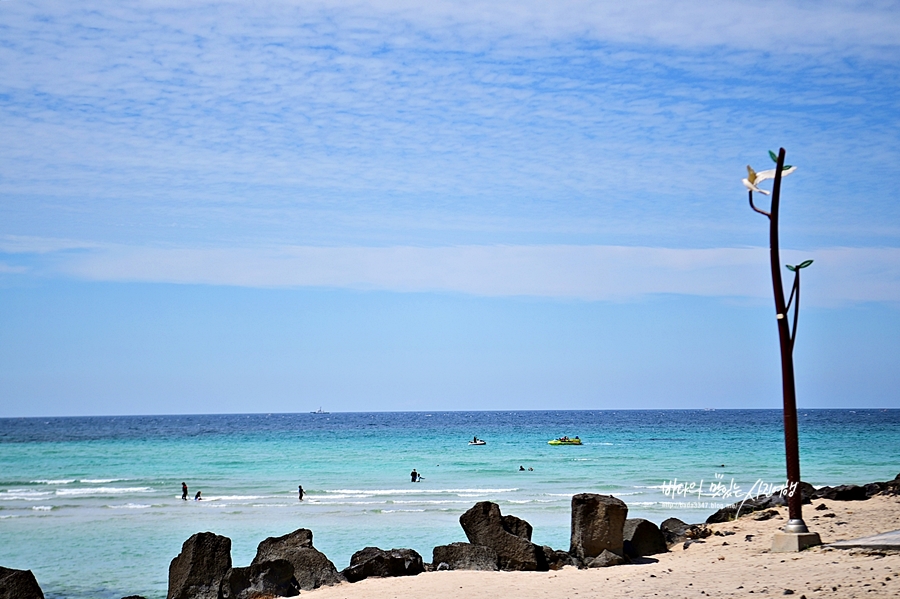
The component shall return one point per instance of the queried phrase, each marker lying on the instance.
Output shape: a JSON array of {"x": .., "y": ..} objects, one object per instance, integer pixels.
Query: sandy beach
[{"x": 737, "y": 563}]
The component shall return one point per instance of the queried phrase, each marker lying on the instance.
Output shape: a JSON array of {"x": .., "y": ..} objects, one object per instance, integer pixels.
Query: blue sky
[{"x": 373, "y": 205}]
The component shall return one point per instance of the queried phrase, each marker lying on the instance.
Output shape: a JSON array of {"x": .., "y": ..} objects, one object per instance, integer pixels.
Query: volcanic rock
[
  {"x": 198, "y": 570},
  {"x": 464, "y": 556},
  {"x": 484, "y": 525},
  {"x": 261, "y": 580},
  {"x": 605, "y": 559},
  {"x": 641, "y": 537},
  {"x": 19, "y": 584},
  {"x": 312, "y": 568},
  {"x": 597, "y": 525},
  {"x": 375, "y": 562}
]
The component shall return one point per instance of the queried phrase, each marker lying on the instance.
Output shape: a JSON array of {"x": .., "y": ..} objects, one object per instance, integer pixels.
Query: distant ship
[{"x": 319, "y": 411}]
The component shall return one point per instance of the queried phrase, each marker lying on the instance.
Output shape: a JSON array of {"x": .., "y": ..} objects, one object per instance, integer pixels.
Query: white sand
[{"x": 728, "y": 566}]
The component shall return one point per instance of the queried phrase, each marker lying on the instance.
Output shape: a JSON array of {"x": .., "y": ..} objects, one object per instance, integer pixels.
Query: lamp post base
[{"x": 792, "y": 542}]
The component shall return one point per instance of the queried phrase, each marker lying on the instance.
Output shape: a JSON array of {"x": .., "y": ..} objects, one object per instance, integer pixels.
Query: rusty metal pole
[{"x": 791, "y": 439}]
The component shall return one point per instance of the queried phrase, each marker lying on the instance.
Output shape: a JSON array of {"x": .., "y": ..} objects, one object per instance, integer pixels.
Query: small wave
[
  {"x": 61, "y": 481},
  {"x": 347, "y": 496},
  {"x": 518, "y": 501},
  {"x": 130, "y": 506},
  {"x": 395, "y": 511},
  {"x": 418, "y": 491},
  {"x": 8, "y": 516},
  {"x": 103, "y": 491},
  {"x": 24, "y": 495},
  {"x": 42, "y": 508},
  {"x": 101, "y": 481},
  {"x": 238, "y": 498},
  {"x": 429, "y": 501}
]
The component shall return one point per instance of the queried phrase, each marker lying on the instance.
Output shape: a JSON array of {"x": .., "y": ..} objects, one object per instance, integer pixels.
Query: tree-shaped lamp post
[{"x": 796, "y": 535}]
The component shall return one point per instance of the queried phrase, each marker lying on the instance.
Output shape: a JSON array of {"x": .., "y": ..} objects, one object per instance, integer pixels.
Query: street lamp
[{"x": 796, "y": 535}]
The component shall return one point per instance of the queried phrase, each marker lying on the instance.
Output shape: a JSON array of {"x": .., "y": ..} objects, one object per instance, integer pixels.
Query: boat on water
[
  {"x": 477, "y": 441},
  {"x": 319, "y": 411},
  {"x": 565, "y": 441}
]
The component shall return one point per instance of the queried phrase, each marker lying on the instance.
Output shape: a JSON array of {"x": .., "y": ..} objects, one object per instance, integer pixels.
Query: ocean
[{"x": 93, "y": 505}]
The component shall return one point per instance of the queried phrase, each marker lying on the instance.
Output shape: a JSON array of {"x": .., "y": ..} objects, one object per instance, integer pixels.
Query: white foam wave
[
  {"x": 417, "y": 491},
  {"x": 394, "y": 511},
  {"x": 101, "y": 481},
  {"x": 238, "y": 498},
  {"x": 62, "y": 481},
  {"x": 24, "y": 495},
  {"x": 130, "y": 506},
  {"x": 430, "y": 501},
  {"x": 347, "y": 496},
  {"x": 42, "y": 508},
  {"x": 8, "y": 516},
  {"x": 102, "y": 491}
]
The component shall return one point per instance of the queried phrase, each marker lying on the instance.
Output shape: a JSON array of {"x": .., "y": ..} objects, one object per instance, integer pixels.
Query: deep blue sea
[{"x": 93, "y": 505}]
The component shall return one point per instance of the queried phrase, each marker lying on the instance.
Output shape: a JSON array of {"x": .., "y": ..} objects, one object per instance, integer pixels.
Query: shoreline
[{"x": 734, "y": 559}]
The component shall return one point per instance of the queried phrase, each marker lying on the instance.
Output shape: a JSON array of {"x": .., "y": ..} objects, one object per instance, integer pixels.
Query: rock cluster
[
  {"x": 283, "y": 566},
  {"x": 601, "y": 536},
  {"x": 676, "y": 531},
  {"x": 808, "y": 493}
]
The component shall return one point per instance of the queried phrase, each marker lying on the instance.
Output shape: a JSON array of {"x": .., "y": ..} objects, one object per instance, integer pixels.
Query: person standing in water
[
  {"x": 300, "y": 492},
  {"x": 414, "y": 476},
  {"x": 184, "y": 492}
]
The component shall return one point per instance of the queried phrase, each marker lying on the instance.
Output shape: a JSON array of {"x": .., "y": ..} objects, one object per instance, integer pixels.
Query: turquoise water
[{"x": 93, "y": 505}]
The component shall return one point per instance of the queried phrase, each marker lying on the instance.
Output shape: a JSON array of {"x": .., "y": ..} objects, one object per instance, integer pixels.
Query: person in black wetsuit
[
  {"x": 300, "y": 492},
  {"x": 184, "y": 493},
  {"x": 414, "y": 476}
]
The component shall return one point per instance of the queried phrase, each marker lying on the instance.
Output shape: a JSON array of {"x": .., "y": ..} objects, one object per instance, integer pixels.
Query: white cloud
[
  {"x": 447, "y": 122},
  {"x": 839, "y": 275},
  {"x": 10, "y": 269}
]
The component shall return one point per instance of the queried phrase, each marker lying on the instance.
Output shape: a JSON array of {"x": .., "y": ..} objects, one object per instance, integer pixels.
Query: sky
[{"x": 231, "y": 207}]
